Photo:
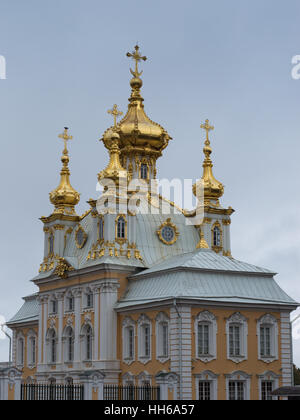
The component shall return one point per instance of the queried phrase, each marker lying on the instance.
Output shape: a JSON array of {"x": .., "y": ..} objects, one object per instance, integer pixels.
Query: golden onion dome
[
  {"x": 65, "y": 197},
  {"x": 138, "y": 133},
  {"x": 212, "y": 188}
]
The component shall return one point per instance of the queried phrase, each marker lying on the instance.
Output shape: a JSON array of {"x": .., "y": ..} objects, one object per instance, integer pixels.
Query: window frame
[
  {"x": 212, "y": 378},
  {"x": 143, "y": 323},
  {"x": 162, "y": 320},
  {"x": 128, "y": 324},
  {"x": 209, "y": 319},
  {"x": 268, "y": 321},
  {"x": 237, "y": 320}
]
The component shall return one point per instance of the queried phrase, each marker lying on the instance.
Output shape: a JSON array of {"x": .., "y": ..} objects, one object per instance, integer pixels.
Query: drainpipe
[
  {"x": 10, "y": 346},
  {"x": 180, "y": 349}
]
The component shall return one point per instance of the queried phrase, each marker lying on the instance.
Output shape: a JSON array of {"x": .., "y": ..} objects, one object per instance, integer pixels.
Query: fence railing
[
  {"x": 40, "y": 392},
  {"x": 134, "y": 393}
]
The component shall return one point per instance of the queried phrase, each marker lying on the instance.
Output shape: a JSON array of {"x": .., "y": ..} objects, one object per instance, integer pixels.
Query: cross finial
[
  {"x": 135, "y": 55},
  {"x": 207, "y": 128},
  {"x": 65, "y": 136},
  {"x": 115, "y": 113}
]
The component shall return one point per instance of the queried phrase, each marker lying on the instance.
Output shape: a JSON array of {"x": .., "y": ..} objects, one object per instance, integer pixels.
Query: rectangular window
[
  {"x": 165, "y": 340},
  {"x": 266, "y": 389},
  {"x": 146, "y": 330},
  {"x": 203, "y": 339},
  {"x": 33, "y": 351},
  {"x": 265, "y": 341},
  {"x": 89, "y": 300},
  {"x": 53, "y": 307},
  {"x": 234, "y": 340},
  {"x": 130, "y": 343},
  {"x": 70, "y": 304},
  {"x": 236, "y": 390},
  {"x": 204, "y": 390}
]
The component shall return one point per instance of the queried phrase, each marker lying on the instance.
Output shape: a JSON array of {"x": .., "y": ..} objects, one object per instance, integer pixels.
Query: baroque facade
[{"x": 148, "y": 296}]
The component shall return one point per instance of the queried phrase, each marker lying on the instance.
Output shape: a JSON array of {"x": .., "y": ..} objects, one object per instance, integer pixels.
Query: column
[
  {"x": 45, "y": 318},
  {"x": 40, "y": 330},
  {"x": 181, "y": 349},
  {"x": 108, "y": 319}
]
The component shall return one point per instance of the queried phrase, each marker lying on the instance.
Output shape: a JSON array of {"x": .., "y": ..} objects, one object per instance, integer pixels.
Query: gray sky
[{"x": 226, "y": 61}]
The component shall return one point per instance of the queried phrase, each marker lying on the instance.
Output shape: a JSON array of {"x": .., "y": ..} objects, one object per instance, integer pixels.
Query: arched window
[
  {"x": 205, "y": 334},
  {"x": 89, "y": 299},
  {"x": 31, "y": 356},
  {"x": 52, "y": 346},
  {"x": 87, "y": 343},
  {"x": 144, "y": 338},
  {"x": 20, "y": 351},
  {"x": 144, "y": 171},
  {"x": 69, "y": 344},
  {"x": 128, "y": 340},
  {"x": 216, "y": 236},
  {"x": 121, "y": 228},
  {"x": 51, "y": 244},
  {"x": 101, "y": 229},
  {"x": 162, "y": 337}
]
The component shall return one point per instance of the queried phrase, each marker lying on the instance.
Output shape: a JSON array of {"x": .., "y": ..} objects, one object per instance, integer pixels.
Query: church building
[{"x": 137, "y": 294}]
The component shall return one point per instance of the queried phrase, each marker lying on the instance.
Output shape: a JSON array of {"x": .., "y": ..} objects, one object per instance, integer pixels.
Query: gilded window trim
[
  {"x": 120, "y": 241},
  {"x": 217, "y": 248},
  {"x": 80, "y": 246},
  {"x": 169, "y": 223}
]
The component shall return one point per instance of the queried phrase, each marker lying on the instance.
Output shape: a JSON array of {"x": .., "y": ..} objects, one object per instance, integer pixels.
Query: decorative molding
[
  {"x": 238, "y": 319},
  {"x": 168, "y": 223},
  {"x": 207, "y": 318}
]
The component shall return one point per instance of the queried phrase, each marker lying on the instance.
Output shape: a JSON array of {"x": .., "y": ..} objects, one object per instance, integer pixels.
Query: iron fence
[
  {"x": 130, "y": 392},
  {"x": 41, "y": 392}
]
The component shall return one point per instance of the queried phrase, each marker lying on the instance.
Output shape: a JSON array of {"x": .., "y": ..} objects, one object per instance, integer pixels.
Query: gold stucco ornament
[{"x": 62, "y": 268}]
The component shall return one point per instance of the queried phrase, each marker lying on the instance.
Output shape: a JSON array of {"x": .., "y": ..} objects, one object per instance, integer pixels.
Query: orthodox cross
[
  {"x": 207, "y": 128},
  {"x": 115, "y": 113},
  {"x": 65, "y": 136},
  {"x": 135, "y": 55}
]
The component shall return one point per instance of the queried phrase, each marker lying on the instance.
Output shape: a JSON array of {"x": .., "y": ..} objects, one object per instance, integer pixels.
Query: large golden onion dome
[
  {"x": 212, "y": 188},
  {"x": 65, "y": 197},
  {"x": 138, "y": 133}
]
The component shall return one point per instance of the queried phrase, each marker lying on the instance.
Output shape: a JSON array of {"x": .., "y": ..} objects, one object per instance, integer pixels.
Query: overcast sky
[{"x": 226, "y": 61}]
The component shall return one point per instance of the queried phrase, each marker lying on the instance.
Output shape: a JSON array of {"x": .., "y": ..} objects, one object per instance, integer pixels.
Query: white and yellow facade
[{"x": 145, "y": 298}]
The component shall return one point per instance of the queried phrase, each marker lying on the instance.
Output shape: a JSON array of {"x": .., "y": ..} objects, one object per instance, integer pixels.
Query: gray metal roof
[
  {"x": 205, "y": 259},
  {"x": 29, "y": 312},
  {"x": 235, "y": 282}
]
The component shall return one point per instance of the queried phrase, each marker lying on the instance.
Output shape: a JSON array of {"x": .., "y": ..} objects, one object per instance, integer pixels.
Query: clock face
[{"x": 168, "y": 233}]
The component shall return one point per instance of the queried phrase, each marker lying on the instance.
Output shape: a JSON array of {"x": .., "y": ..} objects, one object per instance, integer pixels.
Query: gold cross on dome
[
  {"x": 135, "y": 55},
  {"x": 207, "y": 128},
  {"x": 115, "y": 113},
  {"x": 65, "y": 136}
]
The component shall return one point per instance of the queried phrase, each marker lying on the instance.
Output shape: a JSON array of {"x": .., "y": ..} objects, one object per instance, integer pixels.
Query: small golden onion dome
[
  {"x": 114, "y": 169},
  {"x": 212, "y": 188},
  {"x": 65, "y": 197}
]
